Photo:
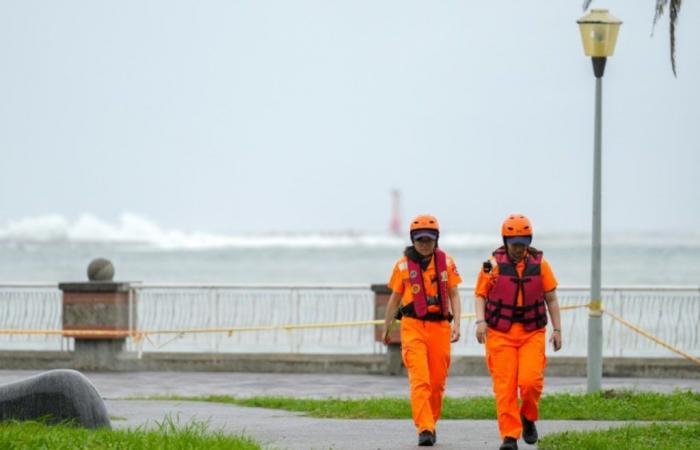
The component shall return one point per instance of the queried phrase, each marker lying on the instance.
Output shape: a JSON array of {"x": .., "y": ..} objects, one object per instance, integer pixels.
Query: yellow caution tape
[
  {"x": 566, "y": 308},
  {"x": 648, "y": 335},
  {"x": 140, "y": 335}
]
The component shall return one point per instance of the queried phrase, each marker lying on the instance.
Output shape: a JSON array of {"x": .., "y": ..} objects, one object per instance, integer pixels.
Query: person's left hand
[
  {"x": 555, "y": 339},
  {"x": 454, "y": 336}
]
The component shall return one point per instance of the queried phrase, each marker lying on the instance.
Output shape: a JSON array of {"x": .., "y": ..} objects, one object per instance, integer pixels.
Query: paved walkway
[
  {"x": 116, "y": 385},
  {"x": 288, "y": 430}
]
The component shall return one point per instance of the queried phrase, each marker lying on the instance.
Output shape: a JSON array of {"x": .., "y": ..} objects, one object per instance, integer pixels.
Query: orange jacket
[{"x": 401, "y": 284}]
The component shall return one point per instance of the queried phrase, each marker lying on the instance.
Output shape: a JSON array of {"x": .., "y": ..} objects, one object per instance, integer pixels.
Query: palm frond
[
  {"x": 673, "y": 20},
  {"x": 659, "y": 10}
]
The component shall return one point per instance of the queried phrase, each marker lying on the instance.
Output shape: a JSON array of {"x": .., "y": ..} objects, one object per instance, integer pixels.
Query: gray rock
[
  {"x": 100, "y": 269},
  {"x": 56, "y": 396}
]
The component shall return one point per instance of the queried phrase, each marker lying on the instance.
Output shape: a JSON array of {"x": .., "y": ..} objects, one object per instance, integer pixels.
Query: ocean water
[
  {"x": 53, "y": 248},
  {"x": 343, "y": 259}
]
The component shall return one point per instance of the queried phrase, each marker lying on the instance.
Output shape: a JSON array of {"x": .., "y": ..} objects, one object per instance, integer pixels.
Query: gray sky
[{"x": 258, "y": 116}]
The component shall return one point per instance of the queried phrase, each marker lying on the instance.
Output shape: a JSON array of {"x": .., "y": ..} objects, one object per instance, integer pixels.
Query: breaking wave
[{"x": 132, "y": 228}]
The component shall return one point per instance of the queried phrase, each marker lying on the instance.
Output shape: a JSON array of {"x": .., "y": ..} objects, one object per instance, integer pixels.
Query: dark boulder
[{"x": 55, "y": 396}]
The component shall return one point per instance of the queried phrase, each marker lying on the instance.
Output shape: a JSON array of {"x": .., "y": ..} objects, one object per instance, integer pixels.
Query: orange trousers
[
  {"x": 425, "y": 348},
  {"x": 516, "y": 360}
]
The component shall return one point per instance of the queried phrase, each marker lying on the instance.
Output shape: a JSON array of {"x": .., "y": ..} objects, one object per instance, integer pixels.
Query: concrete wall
[{"x": 349, "y": 364}]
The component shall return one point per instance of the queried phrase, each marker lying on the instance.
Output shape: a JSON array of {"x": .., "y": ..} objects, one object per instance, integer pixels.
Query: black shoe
[
  {"x": 509, "y": 443},
  {"x": 435, "y": 436},
  {"x": 426, "y": 438},
  {"x": 529, "y": 430}
]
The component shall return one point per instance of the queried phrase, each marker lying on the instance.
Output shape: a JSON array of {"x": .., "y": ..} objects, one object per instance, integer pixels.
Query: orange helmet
[
  {"x": 427, "y": 224},
  {"x": 516, "y": 225}
]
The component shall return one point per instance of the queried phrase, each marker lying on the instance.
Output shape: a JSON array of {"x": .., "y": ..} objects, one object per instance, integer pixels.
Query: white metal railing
[
  {"x": 670, "y": 312},
  {"x": 223, "y": 306},
  {"x": 31, "y": 306}
]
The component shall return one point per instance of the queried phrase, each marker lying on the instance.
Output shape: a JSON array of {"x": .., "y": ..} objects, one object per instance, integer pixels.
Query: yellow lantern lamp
[{"x": 599, "y": 33}]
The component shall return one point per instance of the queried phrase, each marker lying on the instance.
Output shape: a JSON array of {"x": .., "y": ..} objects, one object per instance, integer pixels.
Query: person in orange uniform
[
  {"x": 515, "y": 289},
  {"x": 425, "y": 296}
]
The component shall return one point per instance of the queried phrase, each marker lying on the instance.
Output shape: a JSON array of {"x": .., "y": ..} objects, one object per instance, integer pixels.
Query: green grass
[
  {"x": 645, "y": 437},
  {"x": 607, "y": 405},
  {"x": 168, "y": 435}
]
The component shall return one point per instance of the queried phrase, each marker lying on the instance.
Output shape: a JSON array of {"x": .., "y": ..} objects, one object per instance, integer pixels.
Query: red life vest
[
  {"x": 415, "y": 278},
  {"x": 501, "y": 305}
]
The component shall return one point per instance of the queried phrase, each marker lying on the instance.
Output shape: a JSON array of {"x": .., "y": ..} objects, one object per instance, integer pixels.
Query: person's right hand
[
  {"x": 387, "y": 338},
  {"x": 481, "y": 332}
]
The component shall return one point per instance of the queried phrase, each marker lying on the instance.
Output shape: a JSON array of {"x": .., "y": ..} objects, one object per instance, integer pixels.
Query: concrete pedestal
[
  {"x": 97, "y": 354},
  {"x": 394, "y": 363},
  {"x": 98, "y": 315}
]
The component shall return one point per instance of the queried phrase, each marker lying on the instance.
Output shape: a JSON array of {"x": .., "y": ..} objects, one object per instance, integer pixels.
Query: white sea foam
[
  {"x": 132, "y": 228},
  {"x": 135, "y": 229}
]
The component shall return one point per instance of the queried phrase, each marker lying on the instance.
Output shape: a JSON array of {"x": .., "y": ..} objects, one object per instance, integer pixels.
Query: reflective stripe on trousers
[
  {"x": 516, "y": 359},
  {"x": 425, "y": 348}
]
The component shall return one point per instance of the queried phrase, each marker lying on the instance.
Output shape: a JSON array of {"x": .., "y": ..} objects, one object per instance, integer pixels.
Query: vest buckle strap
[
  {"x": 410, "y": 311},
  {"x": 540, "y": 321},
  {"x": 432, "y": 300},
  {"x": 516, "y": 309}
]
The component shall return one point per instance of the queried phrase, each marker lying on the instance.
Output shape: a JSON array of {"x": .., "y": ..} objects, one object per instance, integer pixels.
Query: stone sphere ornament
[{"x": 100, "y": 269}]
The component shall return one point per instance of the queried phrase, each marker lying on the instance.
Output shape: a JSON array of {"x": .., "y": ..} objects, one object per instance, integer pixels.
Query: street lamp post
[{"x": 599, "y": 34}]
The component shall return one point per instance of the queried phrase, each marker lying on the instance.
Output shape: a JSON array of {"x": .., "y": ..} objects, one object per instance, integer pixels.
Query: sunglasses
[{"x": 425, "y": 240}]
